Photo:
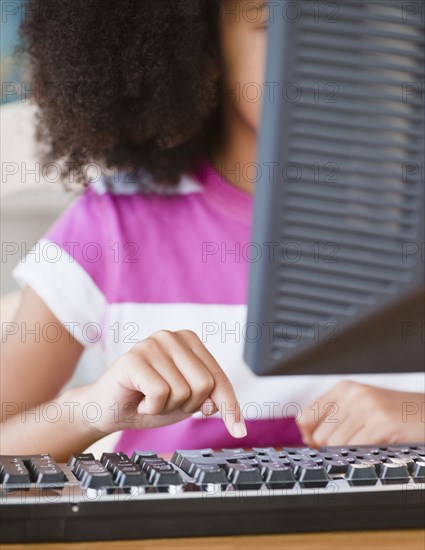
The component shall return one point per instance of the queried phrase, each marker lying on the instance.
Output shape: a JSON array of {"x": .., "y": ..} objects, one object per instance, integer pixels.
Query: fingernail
[{"x": 239, "y": 430}]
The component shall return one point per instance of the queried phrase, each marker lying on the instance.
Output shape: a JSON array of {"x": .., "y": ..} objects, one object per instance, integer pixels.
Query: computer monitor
[{"x": 337, "y": 265}]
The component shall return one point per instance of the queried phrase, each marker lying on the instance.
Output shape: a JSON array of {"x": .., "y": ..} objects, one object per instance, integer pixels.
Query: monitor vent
[{"x": 348, "y": 210}]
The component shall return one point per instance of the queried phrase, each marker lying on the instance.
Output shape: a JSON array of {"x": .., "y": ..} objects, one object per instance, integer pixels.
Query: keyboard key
[
  {"x": 159, "y": 471},
  {"x": 282, "y": 458},
  {"x": 303, "y": 459},
  {"x": 205, "y": 474},
  {"x": 130, "y": 476},
  {"x": 188, "y": 460},
  {"x": 420, "y": 450},
  {"x": 232, "y": 455},
  {"x": 394, "y": 473},
  {"x": 138, "y": 456},
  {"x": 44, "y": 471},
  {"x": 311, "y": 475},
  {"x": 264, "y": 451},
  {"x": 375, "y": 456},
  {"x": 160, "y": 477},
  {"x": 278, "y": 476},
  {"x": 179, "y": 455},
  {"x": 413, "y": 456},
  {"x": 148, "y": 464},
  {"x": 92, "y": 474},
  {"x": 110, "y": 459},
  {"x": 293, "y": 459},
  {"x": 253, "y": 462},
  {"x": 159, "y": 466},
  {"x": 406, "y": 461},
  {"x": 125, "y": 473},
  {"x": 298, "y": 451},
  {"x": 219, "y": 460},
  {"x": 419, "y": 472},
  {"x": 186, "y": 457},
  {"x": 368, "y": 450},
  {"x": 336, "y": 464},
  {"x": 372, "y": 462},
  {"x": 242, "y": 476},
  {"x": 343, "y": 451},
  {"x": 191, "y": 463},
  {"x": 73, "y": 458},
  {"x": 13, "y": 471},
  {"x": 361, "y": 474},
  {"x": 403, "y": 450}
]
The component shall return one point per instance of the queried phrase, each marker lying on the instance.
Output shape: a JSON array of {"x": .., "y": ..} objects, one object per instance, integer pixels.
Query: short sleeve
[{"x": 65, "y": 268}]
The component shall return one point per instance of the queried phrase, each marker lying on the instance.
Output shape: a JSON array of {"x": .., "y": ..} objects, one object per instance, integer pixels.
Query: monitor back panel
[{"x": 338, "y": 285}]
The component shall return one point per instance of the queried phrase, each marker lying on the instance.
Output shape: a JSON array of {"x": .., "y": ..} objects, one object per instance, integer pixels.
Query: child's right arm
[{"x": 161, "y": 380}]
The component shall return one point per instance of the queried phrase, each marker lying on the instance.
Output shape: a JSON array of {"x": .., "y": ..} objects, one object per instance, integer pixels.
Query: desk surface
[{"x": 356, "y": 540}]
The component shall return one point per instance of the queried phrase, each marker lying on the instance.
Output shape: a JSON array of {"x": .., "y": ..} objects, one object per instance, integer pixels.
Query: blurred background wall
[
  {"x": 29, "y": 203},
  {"x": 9, "y": 65}
]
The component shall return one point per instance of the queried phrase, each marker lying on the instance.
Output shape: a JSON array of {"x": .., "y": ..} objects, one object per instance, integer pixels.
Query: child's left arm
[{"x": 351, "y": 414}]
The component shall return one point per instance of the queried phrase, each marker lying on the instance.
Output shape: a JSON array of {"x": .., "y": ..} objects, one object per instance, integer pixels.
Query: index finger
[{"x": 222, "y": 394}]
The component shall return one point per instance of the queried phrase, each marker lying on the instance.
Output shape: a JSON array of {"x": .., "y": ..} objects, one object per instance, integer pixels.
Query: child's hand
[
  {"x": 161, "y": 380},
  {"x": 352, "y": 414}
]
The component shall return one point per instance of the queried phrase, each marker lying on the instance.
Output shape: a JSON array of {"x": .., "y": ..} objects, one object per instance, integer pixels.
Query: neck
[{"x": 235, "y": 154}]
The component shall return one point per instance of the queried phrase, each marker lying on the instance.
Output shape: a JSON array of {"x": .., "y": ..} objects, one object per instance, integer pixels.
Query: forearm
[
  {"x": 412, "y": 411},
  {"x": 60, "y": 427}
]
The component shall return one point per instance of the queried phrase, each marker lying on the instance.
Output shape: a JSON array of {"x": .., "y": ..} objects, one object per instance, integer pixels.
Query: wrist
[{"x": 86, "y": 412}]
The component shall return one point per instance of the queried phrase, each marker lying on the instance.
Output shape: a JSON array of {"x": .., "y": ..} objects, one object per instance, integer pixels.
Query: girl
[{"x": 146, "y": 263}]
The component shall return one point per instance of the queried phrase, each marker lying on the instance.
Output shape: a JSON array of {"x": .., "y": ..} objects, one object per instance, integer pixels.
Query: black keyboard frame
[{"x": 162, "y": 515}]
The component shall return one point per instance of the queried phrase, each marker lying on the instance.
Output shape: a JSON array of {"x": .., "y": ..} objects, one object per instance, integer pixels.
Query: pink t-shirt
[{"x": 117, "y": 267}]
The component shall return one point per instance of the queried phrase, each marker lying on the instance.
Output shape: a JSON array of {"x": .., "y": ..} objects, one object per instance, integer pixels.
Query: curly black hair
[{"x": 126, "y": 84}]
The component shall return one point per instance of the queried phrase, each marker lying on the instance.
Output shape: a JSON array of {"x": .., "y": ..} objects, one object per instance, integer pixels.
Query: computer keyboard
[{"x": 211, "y": 492}]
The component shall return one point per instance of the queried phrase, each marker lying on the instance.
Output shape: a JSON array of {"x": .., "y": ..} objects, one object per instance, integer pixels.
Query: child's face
[{"x": 243, "y": 46}]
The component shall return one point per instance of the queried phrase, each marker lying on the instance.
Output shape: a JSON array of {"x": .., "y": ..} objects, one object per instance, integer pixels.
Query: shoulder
[
  {"x": 103, "y": 221},
  {"x": 105, "y": 206}
]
